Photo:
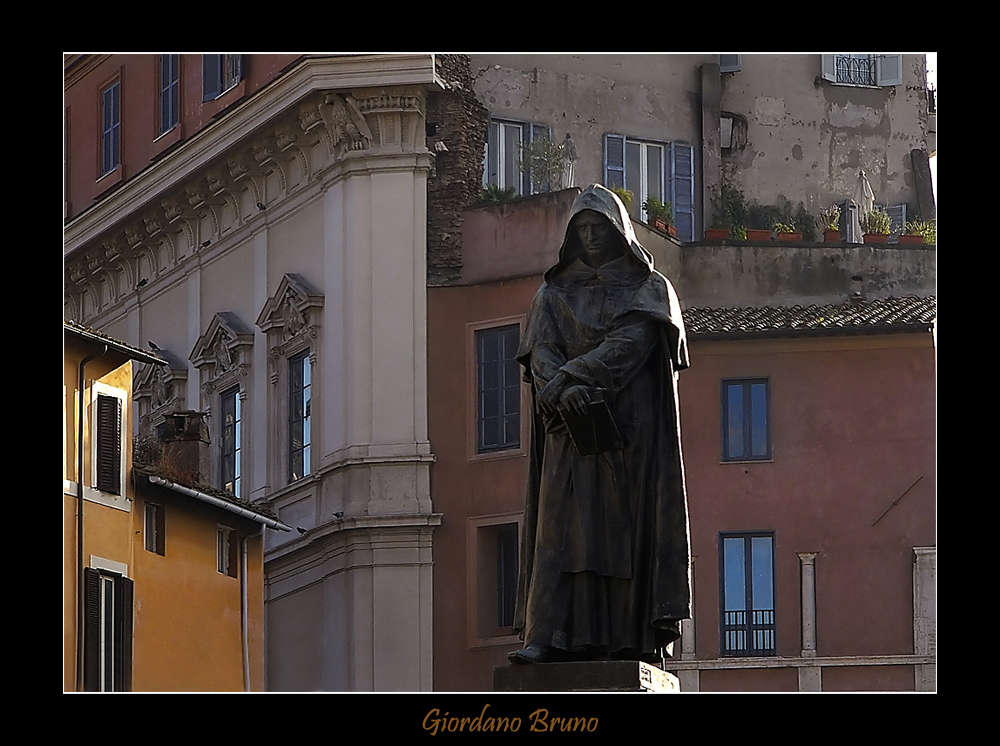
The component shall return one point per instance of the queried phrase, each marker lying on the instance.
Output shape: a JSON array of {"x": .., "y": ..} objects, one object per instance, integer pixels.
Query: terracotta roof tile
[{"x": 881, "y": 316}]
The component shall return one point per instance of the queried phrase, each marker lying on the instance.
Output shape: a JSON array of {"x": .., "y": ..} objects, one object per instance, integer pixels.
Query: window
[
  {"x": 220, "y": 72},
  {"x": 746, "y": 431},
  {"x": 506, "y": 574},
  {"x": 498, "y": 387},
  {"x": 503, "y": 154},
  {"x": 653, "y": 169},
  {"x": 730, "y": 63},
  {"x": 111, "y": 128},
  {"x": 107, "y": 639},
  {"x": 170, "y": 91},
  {"x": 299, "y": 416},
  {"x": 153, "y": 536},
  {"x": 492, "y": 562},
  {"x": 863, "y": 69},
  {"x": 225, "y": 551},
  {"x": 747, "y": 571},
  {"x": 231, "y": 432},
  {"x": 108, "y": 445}
]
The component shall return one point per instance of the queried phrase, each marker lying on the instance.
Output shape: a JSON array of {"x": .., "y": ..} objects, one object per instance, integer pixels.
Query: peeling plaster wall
[
  {"x": 807, "y": 138},
  {"x": 652, "y": 97}
]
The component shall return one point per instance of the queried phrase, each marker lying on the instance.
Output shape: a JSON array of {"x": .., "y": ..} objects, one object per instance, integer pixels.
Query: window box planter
[
  {"x": 756, "y": 234},
  {"x": 910, "y": 240},
  {"x": 789, "y": 236},
  {"x": 831, "y": 236},
  {"x": 715, "y": 234},
  {"x": 875, "y": 238},
  {"x": 663, "y": 226}
]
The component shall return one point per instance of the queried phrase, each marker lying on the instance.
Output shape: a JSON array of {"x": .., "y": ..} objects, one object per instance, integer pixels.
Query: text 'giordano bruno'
[{"x": 540, "y": 721}]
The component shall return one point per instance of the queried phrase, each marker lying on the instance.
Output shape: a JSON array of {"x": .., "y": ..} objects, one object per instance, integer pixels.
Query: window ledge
[
  {"x": 748, "y": 461},
  {"x": 118, "y": 502},
  {"x": 517, "y": 452}
]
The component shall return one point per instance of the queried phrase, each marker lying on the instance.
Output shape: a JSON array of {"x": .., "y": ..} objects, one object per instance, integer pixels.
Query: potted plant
[
  {"x": 919, "y": 231},
  {"x": 787, "y": 232},
  {"x": 624, "y": 195},
  {"x": 730, "y": 212},
  {"x": 660, "y": 214},
  {"x": 494, "y": 194},
  {"x": 830, "y": 219},
  {"x": 876, "y": 224}
]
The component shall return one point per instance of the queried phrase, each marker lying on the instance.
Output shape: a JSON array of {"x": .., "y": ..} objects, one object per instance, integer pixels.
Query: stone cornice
[{"x": 340, "y": 73}]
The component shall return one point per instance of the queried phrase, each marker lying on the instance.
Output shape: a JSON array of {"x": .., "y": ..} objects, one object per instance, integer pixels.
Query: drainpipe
[
  {"x": 80, "y": 590},
  {"x": 245, "y": 608}
]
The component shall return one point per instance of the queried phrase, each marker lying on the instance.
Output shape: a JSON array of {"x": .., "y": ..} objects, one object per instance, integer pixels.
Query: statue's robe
[{"x": 604, "y": 564}]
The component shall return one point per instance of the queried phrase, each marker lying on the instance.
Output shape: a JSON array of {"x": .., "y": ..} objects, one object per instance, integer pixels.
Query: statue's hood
[{"x": 605, "y": 202}]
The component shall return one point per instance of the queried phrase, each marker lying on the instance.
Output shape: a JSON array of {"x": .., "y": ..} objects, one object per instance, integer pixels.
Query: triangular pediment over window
[
  {"x": 293, "y": 310},
  {"x": 224, "y": 350}
]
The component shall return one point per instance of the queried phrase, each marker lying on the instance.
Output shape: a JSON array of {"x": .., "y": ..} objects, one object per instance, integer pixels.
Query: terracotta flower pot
[
  {"x": 831, "y": 236},
  {"x": 909, "y": 240},
  {"x": 715, "y": 234},
  {"x": 789, "y": 236},
  {"x": 756, "y": 234},
  {"x": 876, "y": 238}
]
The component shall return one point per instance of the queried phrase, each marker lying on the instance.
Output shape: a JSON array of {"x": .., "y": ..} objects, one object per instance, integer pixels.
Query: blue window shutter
[
  {"x": 681, "y": 170},
  {"x": 614, "y": 161},
  {"x": 889, "y": 69}
]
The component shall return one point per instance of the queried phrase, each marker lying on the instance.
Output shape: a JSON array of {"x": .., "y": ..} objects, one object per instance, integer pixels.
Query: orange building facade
[{"x": 165, "y": 591}]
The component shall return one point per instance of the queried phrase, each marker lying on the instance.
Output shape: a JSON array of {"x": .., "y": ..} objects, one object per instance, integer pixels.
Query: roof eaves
[{"x": 92, "y": 335}]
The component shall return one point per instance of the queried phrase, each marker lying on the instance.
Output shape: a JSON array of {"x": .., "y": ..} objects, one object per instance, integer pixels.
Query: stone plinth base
[{"x": 584, "y": 676}]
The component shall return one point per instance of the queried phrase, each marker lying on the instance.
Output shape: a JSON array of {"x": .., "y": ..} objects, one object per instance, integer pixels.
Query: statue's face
[{"x": 597, "y": 237}]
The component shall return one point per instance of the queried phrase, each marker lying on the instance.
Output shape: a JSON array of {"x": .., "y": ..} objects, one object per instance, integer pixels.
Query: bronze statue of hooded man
[{"x": 605, "y": 550}]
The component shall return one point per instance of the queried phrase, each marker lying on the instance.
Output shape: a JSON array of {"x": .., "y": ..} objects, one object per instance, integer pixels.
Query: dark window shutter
[
  {"x": 234, "y": 559},
  {"x": 109, "y": 442},
  {"x": 124, "y": 591},
  {"x": 91, "y": 630}
]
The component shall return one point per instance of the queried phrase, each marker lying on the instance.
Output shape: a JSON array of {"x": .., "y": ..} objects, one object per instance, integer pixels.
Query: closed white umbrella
[{"x": 864, "y": 198}]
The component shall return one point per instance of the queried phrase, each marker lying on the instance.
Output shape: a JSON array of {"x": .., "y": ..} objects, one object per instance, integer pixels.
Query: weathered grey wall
[
  {"x": 734, "y": 276},
  {"x": 807, "y": 138}
]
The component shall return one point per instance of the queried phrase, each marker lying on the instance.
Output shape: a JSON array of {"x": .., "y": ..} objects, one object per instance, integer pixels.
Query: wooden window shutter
[
  {"x": 889, "y": 69},
  {"x": 124, "y": 591},
  {"x": 109, "y": 443},
  {"x": 91, "y": 630},
  {"x": 614, "y": 161},
  {"x": 681, "y": 171},
  {"x": 829, "y": 67}
]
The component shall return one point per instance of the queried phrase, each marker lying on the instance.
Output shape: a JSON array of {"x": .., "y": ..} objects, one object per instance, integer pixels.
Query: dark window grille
[
  {"x": 747, "y": 579},
  {"x": 499, "y": 389},
  {"x": 856, "y": 69}
]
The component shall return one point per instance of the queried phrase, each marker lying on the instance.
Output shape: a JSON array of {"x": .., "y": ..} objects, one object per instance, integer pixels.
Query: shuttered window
[
  {"x": 107, "y": 636},
  {"x": 653, "y": 169},
  {"x": 109, "y": 444}
]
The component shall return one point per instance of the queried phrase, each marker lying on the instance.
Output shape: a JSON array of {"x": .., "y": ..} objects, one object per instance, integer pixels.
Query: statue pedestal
[{"x": 584, "y": 676}]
